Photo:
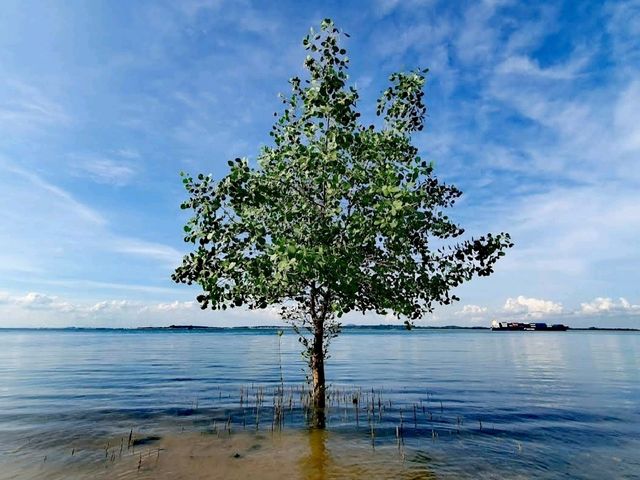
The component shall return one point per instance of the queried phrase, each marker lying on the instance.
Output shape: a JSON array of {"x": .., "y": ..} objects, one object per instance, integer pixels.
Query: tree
[{"x": 336, "y": 216}]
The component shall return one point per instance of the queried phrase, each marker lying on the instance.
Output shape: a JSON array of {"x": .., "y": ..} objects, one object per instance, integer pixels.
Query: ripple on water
[{"x": 493, "y": 406}]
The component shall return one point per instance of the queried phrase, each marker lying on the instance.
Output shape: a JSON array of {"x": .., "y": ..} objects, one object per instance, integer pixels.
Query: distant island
[
  {"x": 607, "y": 329},
  {"x": 284, "y": 327},
  {"x": 368, "y": 327},
  {"x": 345, "y": 327}
]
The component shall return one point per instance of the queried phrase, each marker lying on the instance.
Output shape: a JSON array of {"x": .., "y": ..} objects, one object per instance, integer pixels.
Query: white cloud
[
  {"x": 105, "y": 170},
  {"x": 34, "y": 309},
  {"x": 382, "y": 8},
  {"x": 532, "y": 307},
  {"x": 46, "y": 224},
  {"x": 26, "y": 108},
  {"x": 472, "y": 310},
  {"x": 567, "y": 237},
  {"x": 417, "y": 36},
  {"x": 172, "y": 306},
  {"x": 129, "y": 153},
  {"x": 605, "y": 305},
  {"x": 85, "y": 284},
  {"x": 158, "y": 251},
  {"x": 193, "y": 7},
  {"x": 113, "y": 305},
  {"x": 624, "y": 28},
  {"x": 559, "y": 144},
  {"x": 477, "y": 37},
  {"x": 36, "y": 301},
  {"x": 469, "y": 315},
  {"x": 76, "y": 207},
  {"x": 627, "y": 117},
  {"x": 573, "y": 128},
  {"x": 523, "y": 65}
]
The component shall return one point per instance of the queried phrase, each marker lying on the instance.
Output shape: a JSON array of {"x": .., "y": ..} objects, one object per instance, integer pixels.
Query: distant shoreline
[{"x": 276, "y": 327}]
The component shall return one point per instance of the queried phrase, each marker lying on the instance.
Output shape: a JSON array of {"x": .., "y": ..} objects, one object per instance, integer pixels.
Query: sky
[{"x": 534, "y": 113}]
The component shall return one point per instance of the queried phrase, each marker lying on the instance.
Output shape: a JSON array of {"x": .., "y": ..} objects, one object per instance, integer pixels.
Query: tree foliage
[{"x": 337, "y": 216}]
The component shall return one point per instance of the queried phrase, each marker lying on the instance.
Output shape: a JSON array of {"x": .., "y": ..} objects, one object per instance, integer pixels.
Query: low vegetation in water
[{"x": 368, "y": 437}]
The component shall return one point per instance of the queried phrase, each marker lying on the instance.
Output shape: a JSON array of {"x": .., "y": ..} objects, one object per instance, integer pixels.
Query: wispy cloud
[
  {"x": 624, "y": 28},
  {"x": 26, "y": 108},
  {"x": 77, "y": 207},
  {"x": 70, "y": 224},
  {"x": 157, "y": 251},
  {"x": 627, "y": 118},
  {"x": 104, "y": 170},
  {"x": 128, "y": 153},
  {"x": 520, "y": 65},
  {"x": 92, "y": 286}
]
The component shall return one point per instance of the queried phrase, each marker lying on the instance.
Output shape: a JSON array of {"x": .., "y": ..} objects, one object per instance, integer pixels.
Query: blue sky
[{"x": 534, "y": 112}]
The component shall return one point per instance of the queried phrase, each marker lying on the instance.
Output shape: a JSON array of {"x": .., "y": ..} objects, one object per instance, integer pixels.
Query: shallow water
[{"x": 470, "y": 404}]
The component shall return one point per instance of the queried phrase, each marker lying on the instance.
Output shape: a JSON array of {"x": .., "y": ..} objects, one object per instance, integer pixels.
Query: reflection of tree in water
[
  {"x": 314, "y": 465},
  {"x": 349, "y": 461}
]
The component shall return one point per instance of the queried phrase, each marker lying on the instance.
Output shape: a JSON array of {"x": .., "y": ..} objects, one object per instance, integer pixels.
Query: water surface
[{"x": 470, "y": 404}]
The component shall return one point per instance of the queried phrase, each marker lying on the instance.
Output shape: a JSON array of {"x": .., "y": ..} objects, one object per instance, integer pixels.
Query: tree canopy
[{"x": 337, "y": 215}]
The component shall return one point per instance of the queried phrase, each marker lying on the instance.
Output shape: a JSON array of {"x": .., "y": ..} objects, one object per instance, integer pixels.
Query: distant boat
[{"x": 530, "y": 327}]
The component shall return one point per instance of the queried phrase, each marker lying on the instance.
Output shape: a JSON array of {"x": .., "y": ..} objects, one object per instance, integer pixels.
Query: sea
[{"x": 458, "y": 403}]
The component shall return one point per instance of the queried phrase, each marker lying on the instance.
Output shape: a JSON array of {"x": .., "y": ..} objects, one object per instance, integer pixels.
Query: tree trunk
[{"x": 317, "y": 371}]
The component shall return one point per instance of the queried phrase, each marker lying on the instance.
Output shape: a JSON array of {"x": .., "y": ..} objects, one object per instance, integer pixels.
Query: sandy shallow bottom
[{"x": 288, "y": 454}]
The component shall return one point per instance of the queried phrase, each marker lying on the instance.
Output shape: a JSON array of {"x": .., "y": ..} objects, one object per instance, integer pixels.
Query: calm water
[{"x": 494, "y": 405}]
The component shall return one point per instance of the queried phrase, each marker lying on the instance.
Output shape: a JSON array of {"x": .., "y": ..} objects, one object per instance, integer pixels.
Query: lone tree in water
[{"x": 336, "y": 216}]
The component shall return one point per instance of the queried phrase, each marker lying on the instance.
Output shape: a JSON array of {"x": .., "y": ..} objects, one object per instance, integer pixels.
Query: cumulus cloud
[
  {"x": 532, "y": 307},
  {"x": 472, "y": 310},
  {"x": 34, "y": 309},
  {"x": 605, "y": 305},
  {"x": 36, "y": 301},
  {"x": 113, "y": 305},
  {"x": 171, "y": 307}
]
